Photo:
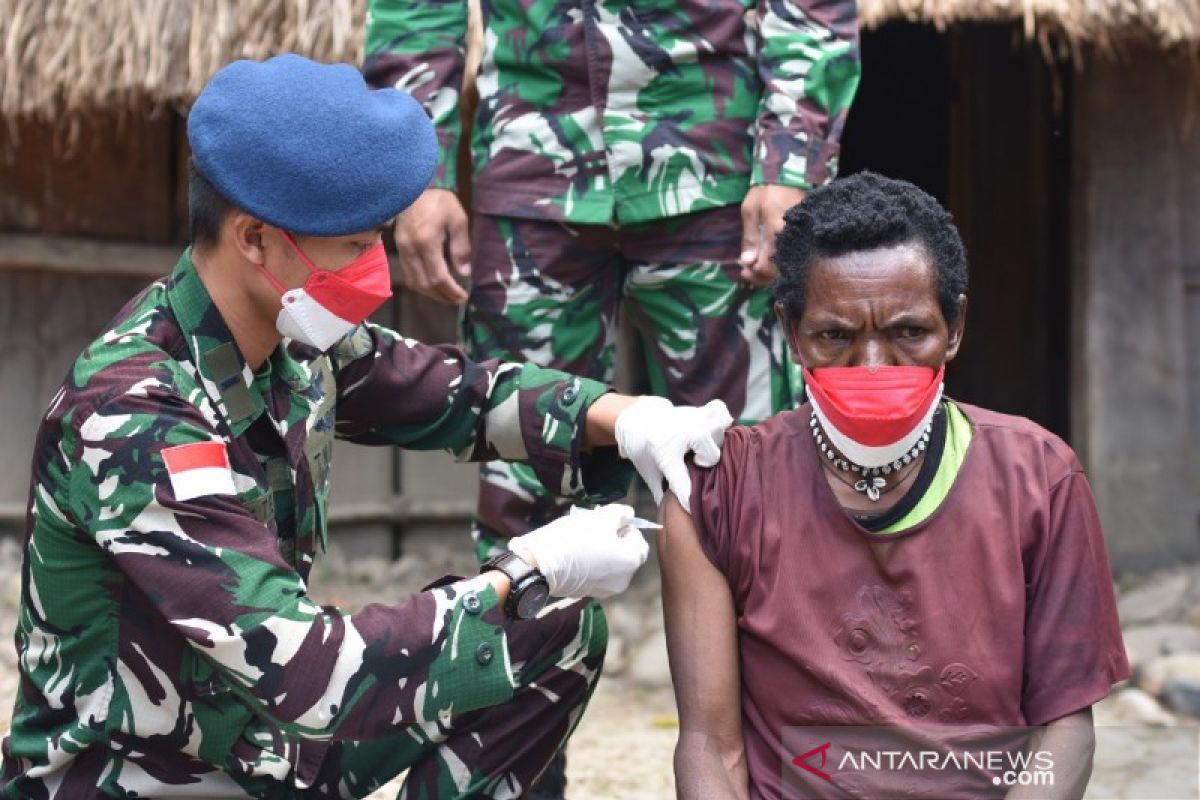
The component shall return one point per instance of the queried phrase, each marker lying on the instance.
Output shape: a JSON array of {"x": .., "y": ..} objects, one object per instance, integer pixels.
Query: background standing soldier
[
  {"x": 638, "y": 152},
  {"x": 625, "y": 151},
  {"x": 166, "y": 642}
]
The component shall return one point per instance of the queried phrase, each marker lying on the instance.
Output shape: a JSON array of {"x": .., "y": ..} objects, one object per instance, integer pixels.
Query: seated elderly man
[{"x": 882, "y": 556}]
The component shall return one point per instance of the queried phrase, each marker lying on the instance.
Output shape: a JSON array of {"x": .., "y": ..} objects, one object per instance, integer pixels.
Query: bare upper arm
[{"x": 701, "y": 629}]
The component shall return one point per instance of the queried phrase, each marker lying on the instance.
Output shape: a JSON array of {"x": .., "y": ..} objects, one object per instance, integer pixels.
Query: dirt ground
[{"x": 623, "y": 747}]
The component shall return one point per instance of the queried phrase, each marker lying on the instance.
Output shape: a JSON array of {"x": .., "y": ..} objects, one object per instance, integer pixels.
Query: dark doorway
[
  {"x": 976, "y": 118},
  {"x": 898, "y": 125}
]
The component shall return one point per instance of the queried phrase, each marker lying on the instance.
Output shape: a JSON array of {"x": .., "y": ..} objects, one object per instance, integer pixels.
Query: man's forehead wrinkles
[
  {"x": 832, "y": 317},
  {"x": 909, "y": 316},
  {"x": 889, "y": 305}
]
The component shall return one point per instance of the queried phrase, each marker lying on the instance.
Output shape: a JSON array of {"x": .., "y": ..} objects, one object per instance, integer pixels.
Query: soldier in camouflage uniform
[
  {"x": 166, "y": 642},
  {"x": 625, "y": 151}
]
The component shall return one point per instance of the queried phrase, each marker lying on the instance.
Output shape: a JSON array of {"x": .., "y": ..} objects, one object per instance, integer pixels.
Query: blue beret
[{"x": 308, "y": 147}]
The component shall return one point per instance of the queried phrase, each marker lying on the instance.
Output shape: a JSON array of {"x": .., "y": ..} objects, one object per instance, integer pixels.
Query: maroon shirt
[{"x": 998, "y": 609}]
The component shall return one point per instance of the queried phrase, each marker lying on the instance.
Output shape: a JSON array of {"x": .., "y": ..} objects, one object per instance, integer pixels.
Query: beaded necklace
[{"x": 872, "y": 479}]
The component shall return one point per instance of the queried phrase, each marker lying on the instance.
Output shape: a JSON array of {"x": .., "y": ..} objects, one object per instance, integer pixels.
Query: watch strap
[{"x": 521, "y": 575}]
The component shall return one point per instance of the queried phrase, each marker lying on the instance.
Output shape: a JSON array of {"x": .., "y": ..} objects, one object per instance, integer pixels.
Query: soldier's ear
[{"x": 247, "y": 235}]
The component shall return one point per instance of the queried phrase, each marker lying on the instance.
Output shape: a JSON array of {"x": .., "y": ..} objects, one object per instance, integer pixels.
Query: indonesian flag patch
[{"x": 199, "y": 469}]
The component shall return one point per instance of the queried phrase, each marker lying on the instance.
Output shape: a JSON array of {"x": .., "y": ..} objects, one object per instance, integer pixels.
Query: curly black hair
[{"x": 862, "y": 212}]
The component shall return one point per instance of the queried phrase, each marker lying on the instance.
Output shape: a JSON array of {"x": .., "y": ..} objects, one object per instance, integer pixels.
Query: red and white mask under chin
[
  {"x": 331, "y": 303},
  {"x": 874, "y": 415}
]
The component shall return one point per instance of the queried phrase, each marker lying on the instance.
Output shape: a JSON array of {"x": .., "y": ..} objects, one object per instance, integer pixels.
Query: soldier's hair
[
  {"x": 207, "y": 208},
  {"x": 866, "y": 211}
]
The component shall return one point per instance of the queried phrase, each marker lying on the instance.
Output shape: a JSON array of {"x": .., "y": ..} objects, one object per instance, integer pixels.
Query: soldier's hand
[
  {"x": 762, "y": 220},
  {"x": 586, "y": 553},
  {"x": 434, "y": 225},
  {"x": 656, "y": 436}
]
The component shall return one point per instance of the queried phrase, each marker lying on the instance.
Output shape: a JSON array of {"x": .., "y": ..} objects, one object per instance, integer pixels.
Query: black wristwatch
[{"x": 529, "y": 591}]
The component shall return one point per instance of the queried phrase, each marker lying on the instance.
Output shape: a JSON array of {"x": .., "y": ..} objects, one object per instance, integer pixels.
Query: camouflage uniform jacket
[
  {"x": 167, "y": 645},
  {"x": 595, "y": 111}
]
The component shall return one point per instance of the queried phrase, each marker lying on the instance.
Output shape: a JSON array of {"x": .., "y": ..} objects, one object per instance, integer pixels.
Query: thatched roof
[
  {"x": 1102, "y": 23},
  {"x": 63, "y": 57},
  {"x": 74, "y": 55}
]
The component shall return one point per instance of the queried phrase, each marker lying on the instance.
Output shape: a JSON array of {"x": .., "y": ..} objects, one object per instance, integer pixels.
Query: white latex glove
[
  {"x": 656, "y": 435},
  {"x": 587, "y": 553}
]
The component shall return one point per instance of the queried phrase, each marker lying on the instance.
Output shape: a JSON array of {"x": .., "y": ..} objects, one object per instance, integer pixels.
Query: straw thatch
[
  {"x": 1104, "y": 24},
  {"x": 62, "y": 58}
]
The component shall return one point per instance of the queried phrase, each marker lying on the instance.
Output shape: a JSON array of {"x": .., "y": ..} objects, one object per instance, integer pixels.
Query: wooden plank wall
[
  {"x": 44, "y": 321},
  {"x": 115, "y": 181},
  {"x": 1136, "y": 337}
]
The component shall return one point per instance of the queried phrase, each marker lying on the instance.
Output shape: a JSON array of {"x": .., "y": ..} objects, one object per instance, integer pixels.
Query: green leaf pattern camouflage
[{"x": 594, "y": 111}]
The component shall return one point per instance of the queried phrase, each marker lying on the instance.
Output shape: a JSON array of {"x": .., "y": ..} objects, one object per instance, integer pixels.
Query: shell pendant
[{"x": 870, "y": 487}]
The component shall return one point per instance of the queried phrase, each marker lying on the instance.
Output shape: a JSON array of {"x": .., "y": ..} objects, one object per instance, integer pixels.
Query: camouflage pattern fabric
[
  {"x": 167, "y": 645},
  {"x": 617, "y": 114},
  {"x": 549, "y": 292},
  {"x": 592, "y": 111}
]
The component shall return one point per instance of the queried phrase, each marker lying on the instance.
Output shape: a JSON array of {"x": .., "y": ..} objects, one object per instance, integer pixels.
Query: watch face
[{"x": 533, "y": 599}]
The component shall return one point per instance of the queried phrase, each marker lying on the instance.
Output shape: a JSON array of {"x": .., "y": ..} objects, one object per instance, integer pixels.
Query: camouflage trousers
[
  {"x": 551, "y": 292},
  {"x": 495, "y": 752}
]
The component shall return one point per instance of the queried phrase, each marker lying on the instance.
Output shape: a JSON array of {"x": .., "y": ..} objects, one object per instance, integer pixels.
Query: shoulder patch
[{"x": 199, "y": 469}]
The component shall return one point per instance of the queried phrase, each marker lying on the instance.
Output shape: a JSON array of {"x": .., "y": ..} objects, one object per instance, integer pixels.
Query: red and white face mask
[
  {"x": 874, "y": 415},
  {"x": 332, "y": 302}
]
